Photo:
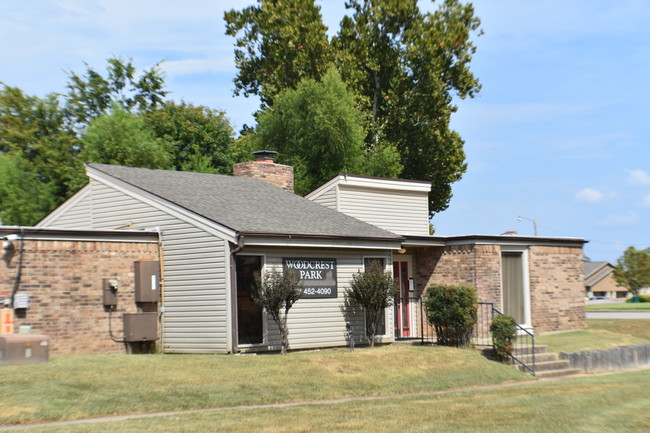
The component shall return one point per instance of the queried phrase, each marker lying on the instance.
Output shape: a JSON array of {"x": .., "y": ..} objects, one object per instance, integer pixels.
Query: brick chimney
[{"x": 265, "y": 169}]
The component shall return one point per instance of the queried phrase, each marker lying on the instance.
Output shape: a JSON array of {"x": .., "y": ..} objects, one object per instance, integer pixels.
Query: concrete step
[
  {"x": 558, "y": 364},
  {"x": 527, "y": 349},
  {"x": 557, "y": 373},
  {"x": 539, "y": 357}
]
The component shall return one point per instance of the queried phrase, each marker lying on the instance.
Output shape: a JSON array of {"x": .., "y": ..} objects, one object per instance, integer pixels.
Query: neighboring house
[
  {"x": 599, "y": 281},
  {"x": 218, "y": 232}
]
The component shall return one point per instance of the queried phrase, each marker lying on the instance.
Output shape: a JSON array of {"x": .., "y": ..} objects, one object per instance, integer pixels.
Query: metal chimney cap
[{"x": 265, "y": 154}]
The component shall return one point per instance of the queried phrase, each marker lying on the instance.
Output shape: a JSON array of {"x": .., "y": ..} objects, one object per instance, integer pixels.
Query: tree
[
  {"x": 319, "y": 131},
  {"x": 201, "y": 138},
  {"x": 405, "y": 65},
  {"x": 123, "y": 138},
  {"x": 276, "y": 292},
  {"x": 90, "y": 95},
  {"x": 633, "y": 270},
  {"x": 24, "y": 199},
  {"x": 408, "y": 66},
  {"x": 34, "y": 131},
  {"x": 374, "y": 290},
  {"x": 283, "y": 42}
]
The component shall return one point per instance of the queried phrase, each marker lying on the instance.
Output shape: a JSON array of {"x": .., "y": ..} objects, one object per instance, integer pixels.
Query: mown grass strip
[
  {"x": 78, "y": 387},
  {"x": 595, "y": 404}
]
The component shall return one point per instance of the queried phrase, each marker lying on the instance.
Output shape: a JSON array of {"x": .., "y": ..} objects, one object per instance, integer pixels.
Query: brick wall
[
  {"x": 477, "y": 266},
  {"x": 556, "y": 279},
  {"x": 265, "y": 170},
  {"x": 64, "y": 282},
  {"x": 557, "y": 288}
]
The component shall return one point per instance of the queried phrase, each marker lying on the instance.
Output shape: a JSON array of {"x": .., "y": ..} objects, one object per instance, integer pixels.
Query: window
[{"x": 367, "y": 263}]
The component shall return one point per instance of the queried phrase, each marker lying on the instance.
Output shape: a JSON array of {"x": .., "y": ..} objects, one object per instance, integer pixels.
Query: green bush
[
  {"x": 504, "y": 332},
  {"x": 452, "y": 312},
  {"x": 644, "y": 298}
]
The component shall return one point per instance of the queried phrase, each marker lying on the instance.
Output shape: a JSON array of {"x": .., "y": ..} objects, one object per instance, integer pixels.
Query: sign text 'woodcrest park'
[{"x": 318, "y": 276}]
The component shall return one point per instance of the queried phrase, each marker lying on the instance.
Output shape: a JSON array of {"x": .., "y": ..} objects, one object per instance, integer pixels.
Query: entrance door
[
  {"x": 512, "y": 280},
  {"x": 249, "y": 314},
  {"x": 401, "y": 273}
]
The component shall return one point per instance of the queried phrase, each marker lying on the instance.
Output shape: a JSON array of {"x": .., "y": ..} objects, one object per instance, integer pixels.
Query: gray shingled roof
[
  {"x": 591, "y": 267},
  {"x": 244, "y": 204}
]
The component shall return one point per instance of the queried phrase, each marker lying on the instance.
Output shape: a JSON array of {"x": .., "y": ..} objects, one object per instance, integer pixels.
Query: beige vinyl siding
[
  {"x": 328, "y": 198},
  {"x": 195, "y": 318},
  {"x": 78, "y": 215},
  {"x": 402, "y": 212},
  {"x": 321, "y": 322}
]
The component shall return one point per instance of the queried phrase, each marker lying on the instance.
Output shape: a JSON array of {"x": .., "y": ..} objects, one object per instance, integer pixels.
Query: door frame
[
  {"x": 408, "y": 305},
  {"x": 528, "y": 324}
]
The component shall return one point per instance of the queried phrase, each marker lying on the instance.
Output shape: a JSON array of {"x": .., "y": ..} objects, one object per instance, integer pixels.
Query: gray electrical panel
[
  {"x": 109, "y": 292},
  {"x": 147, "y": 281},
  {"x": 23, "y": 348},
  {"x": 140, "y": 327}
]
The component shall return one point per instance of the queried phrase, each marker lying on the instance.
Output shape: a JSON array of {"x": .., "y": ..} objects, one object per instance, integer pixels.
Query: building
[
  {"x": 599, "y": 281},
  {"x": 216, "y": 232}
]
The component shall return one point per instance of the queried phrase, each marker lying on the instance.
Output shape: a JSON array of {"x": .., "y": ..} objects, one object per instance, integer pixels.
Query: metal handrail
[{"x": 522, "y": 349}]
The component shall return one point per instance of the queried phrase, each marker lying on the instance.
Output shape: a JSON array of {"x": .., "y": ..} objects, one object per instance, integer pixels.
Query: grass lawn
[
  {"x": 640, "y": 306},
  {"x": 639, "y": 328},
  {"x": 76, "y": 387},
  {"x": 612, "y": 403},
  {"x": 599, "y": 334}
]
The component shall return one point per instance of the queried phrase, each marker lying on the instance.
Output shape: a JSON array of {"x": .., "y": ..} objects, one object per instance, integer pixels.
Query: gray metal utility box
[
  {"x": 24, "y": 348},
  {"x": 140, "y": 327},
  {"x": 147, "y": 281}
]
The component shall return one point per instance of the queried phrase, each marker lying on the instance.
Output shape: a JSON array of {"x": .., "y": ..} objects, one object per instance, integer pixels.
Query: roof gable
[{"x": 243, "y": 204}]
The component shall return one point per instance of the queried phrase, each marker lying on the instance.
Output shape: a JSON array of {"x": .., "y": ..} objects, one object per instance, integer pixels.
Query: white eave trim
[
  {"x": 371, "y": 182},
  {"x": 165, "y": 206},
  {"x": 273, "y": 241}
]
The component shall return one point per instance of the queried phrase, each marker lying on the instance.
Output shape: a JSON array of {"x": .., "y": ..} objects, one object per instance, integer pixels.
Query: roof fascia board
[
  {"x": 163, "y": 205},
  {"x": 31, "y": 233},
  {"x": 63, "y": 207},
  {"x": 389, "y": 184},
  {"x": 370, "y": 182},
  {"x": 323, "y": 188},
  {"x": 263, "y": 241},
  {"x": 528, "y": 242}
]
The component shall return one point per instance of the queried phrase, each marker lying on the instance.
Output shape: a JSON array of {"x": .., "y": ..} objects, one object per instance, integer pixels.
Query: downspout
[
  {"x": 233, "y": 291},
  {"x": 19, "y": 270},
  {"x": 161, "y": 305}
]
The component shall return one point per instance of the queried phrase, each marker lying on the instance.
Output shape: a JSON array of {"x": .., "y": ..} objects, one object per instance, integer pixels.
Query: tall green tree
[
  {"x": 279, "y": 42},
  {"x": 405, "y": 65},
  {"x": 122, "y": 138},
  {"x": 633, "y": 270},
  {"x": 36, "y": 140},
  {"x": 24, "y": 198},
  {"x": 409, "y": 65},
  {"x": 319, "y": 131},
  {"x": 92, "y": 94},
  {"x": 201, "y": 138}
]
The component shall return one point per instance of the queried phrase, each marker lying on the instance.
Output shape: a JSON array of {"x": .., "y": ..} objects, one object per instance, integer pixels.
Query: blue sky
[{"x": 558, "y": 133}]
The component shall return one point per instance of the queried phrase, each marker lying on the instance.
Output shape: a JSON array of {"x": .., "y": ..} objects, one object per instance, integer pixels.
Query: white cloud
[
  {"x": 638, "y": 178},
  {"x": 620, "y": 220},
  {"x": 198, "y": 66},
  {"x": 589, "y": 195}
]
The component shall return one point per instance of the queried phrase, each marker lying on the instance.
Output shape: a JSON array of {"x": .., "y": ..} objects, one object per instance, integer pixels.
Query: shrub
[
  {"x": 644, "y": 298},
  {"x": 276, "y": 292},
  {"x": 374, "y": 290},
  {"x": 452, "y": 312},
  {"x": 504, "y": 332}
]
